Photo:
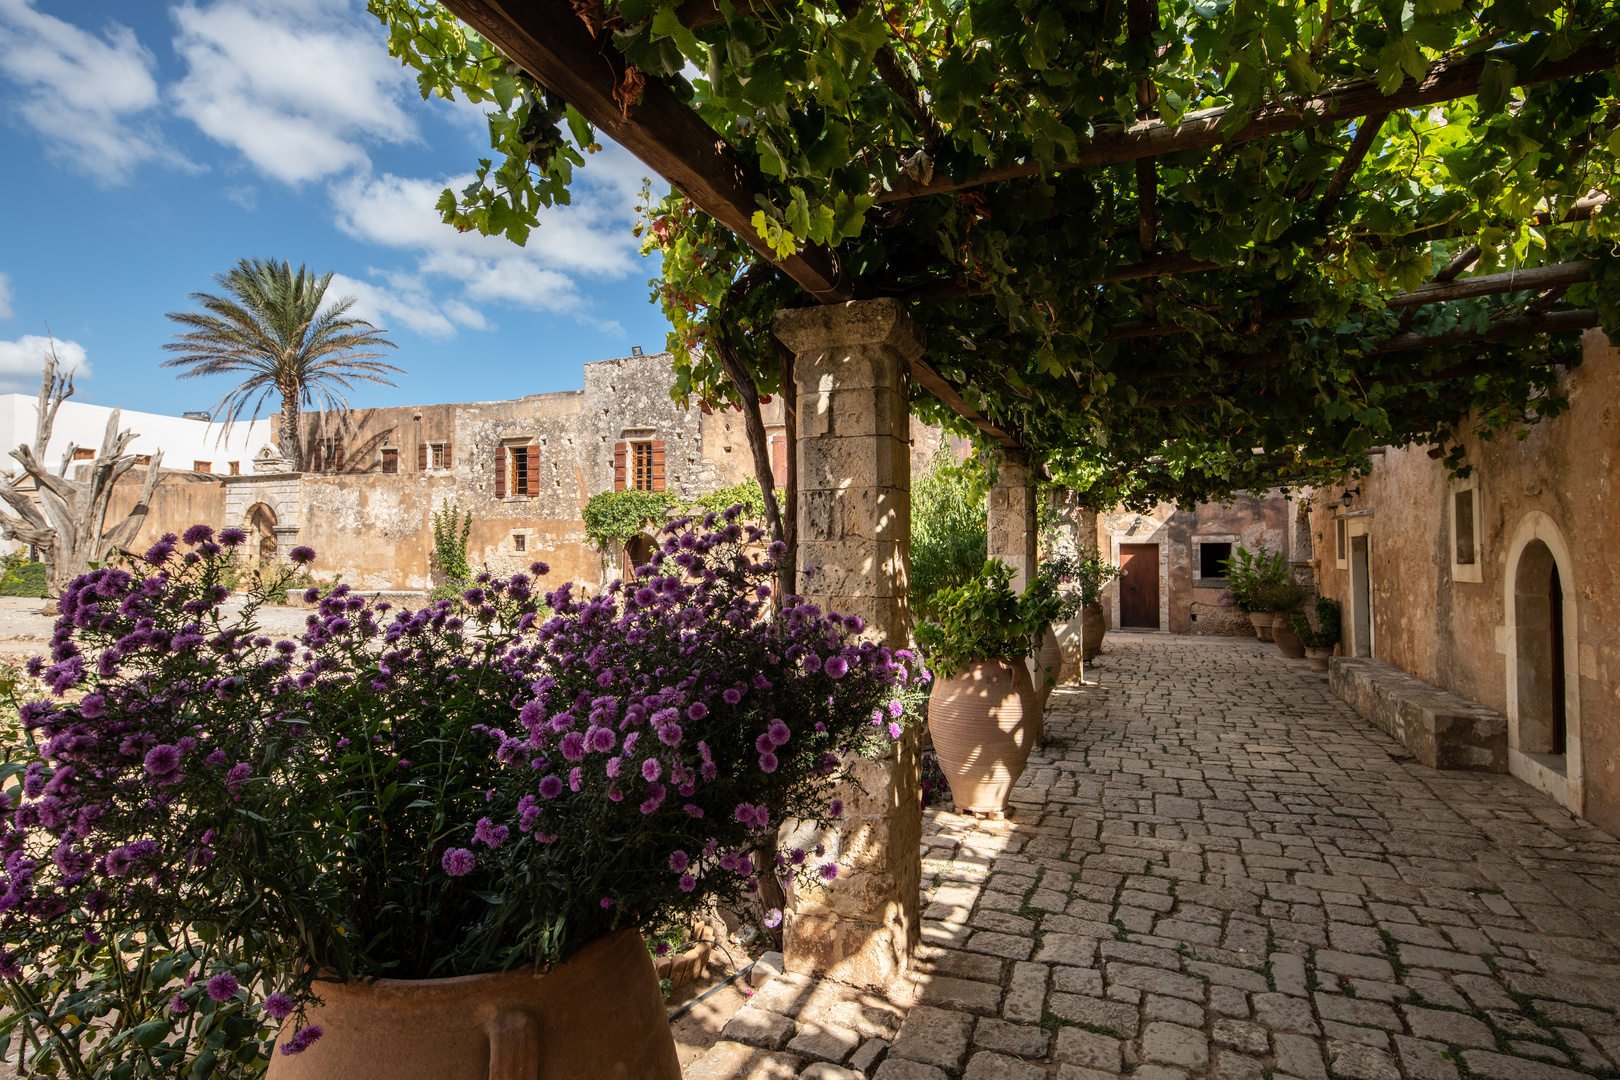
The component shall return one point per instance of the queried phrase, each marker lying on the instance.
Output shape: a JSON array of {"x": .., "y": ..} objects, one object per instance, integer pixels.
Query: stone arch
[
  {"x": 260, "y": 521},
  {"x": 1543, "y": 675},
  {"x": 639, "y": 549}
]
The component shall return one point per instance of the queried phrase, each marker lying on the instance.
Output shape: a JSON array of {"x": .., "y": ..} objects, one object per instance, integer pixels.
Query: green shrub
[
  {"x": 450, "y": 542},
  {"x": 24, "y": 579},
  {"x": 1251, "y": 574},
  {"x": 949, "y": 522},
  {"x": 1329, "y": 628},
  {"x": 984, "y": 619}
]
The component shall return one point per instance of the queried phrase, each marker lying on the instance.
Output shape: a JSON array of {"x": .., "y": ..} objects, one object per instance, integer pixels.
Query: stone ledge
[{"x": 1443, "y": 730}]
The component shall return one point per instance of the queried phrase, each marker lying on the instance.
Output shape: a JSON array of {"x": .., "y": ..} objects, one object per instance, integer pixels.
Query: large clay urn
[
  {"x": 1092, "y": 629},
  {"x": 1048, "y": 673},
  {"x": 980, "y": 721},
  {"x": 1261, "y": 621},
  {"x": 598, "y": 1015},
  {"x": 1282, "y": 632}
]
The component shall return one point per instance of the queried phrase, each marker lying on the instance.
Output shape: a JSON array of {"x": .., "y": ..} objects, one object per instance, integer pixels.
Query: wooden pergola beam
[
  {"x": 1445, "y": 81},
  {"x": 1537, "y": 278},
  {"x": 549, "y": 41},
  {"x": 936, "y": 384}
]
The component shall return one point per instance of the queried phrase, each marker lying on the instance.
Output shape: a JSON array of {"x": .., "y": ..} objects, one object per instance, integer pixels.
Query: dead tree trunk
[{"x": 68, "y": 522}]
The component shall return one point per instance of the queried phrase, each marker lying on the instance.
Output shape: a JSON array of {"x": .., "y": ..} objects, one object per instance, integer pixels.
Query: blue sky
[{"x": 148, "y": 146}]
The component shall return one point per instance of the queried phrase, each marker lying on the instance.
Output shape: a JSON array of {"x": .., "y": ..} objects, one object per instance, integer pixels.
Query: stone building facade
[
  {"x": 1174, "y": 560},
  {"x": 1501, "y": 587}
]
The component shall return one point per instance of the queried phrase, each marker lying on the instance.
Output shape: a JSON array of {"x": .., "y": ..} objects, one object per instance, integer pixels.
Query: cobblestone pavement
[{"x": 1218, "y": 870}]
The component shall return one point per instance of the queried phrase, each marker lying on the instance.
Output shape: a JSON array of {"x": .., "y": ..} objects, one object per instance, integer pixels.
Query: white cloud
[
  {"x": 85, "y": 95},
  {"x": 5, "y": 296},
  {"x": 299, "y": 89},
  {"x": 405, "y": 301},
  {"x": 589, "y": 239},
  {"x": 21, "y": 361}
]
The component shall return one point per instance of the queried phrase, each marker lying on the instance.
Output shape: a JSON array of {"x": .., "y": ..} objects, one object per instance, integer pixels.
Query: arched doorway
[
  {"x": 1543, "y": 683},
  {"x": 261, "y": 527},
  {"x": 639, "y": 551}
]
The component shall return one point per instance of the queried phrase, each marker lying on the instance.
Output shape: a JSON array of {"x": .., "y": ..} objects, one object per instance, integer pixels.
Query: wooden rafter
[
  {"x": 936, "y": 384},
  {"x": 1366, "y": 135},
  {"x": 549, "y": 41},
  {"x": 1445, "y": 81}
]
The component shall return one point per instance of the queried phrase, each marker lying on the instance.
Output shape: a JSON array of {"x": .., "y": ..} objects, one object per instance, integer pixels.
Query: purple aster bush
[{"x": 204, "y": 823}]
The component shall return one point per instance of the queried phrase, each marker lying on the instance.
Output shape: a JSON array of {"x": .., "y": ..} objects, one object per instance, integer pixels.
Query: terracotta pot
[
  {"x": 980, "y": 724},
  {"x": 1318, "y": 657},
  {"x": 1048, "y": 668},
  {"x": 1092, "y": 629},
  {"x": 1261, "y": 620},
  {"x": 598, "y": 1015},
  {"x": 1282, "y": 632},
  {"x": 681, "y": 968}
]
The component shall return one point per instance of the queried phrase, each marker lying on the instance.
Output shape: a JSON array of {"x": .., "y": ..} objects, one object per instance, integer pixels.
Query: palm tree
[{"x": 270, "y": 328}]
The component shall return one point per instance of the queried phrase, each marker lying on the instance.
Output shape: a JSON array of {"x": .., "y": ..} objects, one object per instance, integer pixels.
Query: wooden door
[{"x": 1139, "y": 587}]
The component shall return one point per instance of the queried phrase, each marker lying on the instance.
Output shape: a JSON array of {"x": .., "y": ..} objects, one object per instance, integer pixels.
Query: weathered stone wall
[
  {"x": 1555, "y": 487},
  {"x": 1253, "y": 523},
  {"x": 180, "y": 500}
]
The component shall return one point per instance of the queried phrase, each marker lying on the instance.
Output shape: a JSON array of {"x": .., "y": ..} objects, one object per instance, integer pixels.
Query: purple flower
[
  {"x": 836, "y": 666},
  {"x": 178, "y": 1006},
  {"x": 779, "y": 733},
  {"x": 573, "y": 746},
  {"x": 600, "y": 739},
  {"x": 651, "y": 770},
  {"x": 607, "y": 902},
  {"x": 773, "y": 918},
  {"x": 732, "y": 695},
  {"x": 487, "y": 832},
  {"x": 678, "y": 861},
  {"x": 697, "y": 711},
  {"x": 302, "y": 556},
  {"x": 164, "y": 759},
  {"x": 835, "y": 809},
  {"x": 198, "y": 534},
  {"x": 223, "y": 987},
  {"x": 551, "y": 787},
  {"x": 232, "y": 537},
  {"x": 279, "y": 1005},
  {"x": 896, "y": 707},
  {"x": 768, "y": 763},
  {"x": 829, "y": 871},
  {"x": 458, "y": 862},
  {"x": 809, "y": 573},
  {"x": 894, "y": 730},
  {"x": 688, "y": 883},
  {"x": 302, "y": 1040}
]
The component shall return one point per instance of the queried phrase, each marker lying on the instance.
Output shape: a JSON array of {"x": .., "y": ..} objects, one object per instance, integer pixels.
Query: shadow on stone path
[{"x": 1216, "y": 869}]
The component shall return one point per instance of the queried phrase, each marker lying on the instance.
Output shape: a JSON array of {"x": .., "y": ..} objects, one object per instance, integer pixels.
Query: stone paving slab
[{"x": 1217, "y": 870}]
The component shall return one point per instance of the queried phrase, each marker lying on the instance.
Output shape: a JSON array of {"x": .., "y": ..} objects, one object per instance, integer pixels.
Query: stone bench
[{"x": 1442, "y": 730}]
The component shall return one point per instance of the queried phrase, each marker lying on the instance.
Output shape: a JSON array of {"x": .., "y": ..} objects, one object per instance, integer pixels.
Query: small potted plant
[
  {"x": 983, "y": 714},
  {"x": 1249, "y": 575},
  {"x": 1284, "y": 600},
  {"x": 409, "y": 844},
  {"x": 1320, "y": 641}
]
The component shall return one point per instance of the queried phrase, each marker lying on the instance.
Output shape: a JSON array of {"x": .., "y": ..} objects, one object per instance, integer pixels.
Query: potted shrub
[
  {"x": 1319, "y": 642},
  {"x": 1249, "y": 575},
  {"x": 415, "y": 843},
  {"x": 982, "y": 714},
  {"x": 1283, "y": 600}
]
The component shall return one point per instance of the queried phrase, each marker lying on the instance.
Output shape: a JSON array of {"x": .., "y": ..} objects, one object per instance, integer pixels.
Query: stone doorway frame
[
  {"x": 1160, "y": 535},
  {"x": 1541, "y": 771},
  {"x": 1359, "y": 524}
]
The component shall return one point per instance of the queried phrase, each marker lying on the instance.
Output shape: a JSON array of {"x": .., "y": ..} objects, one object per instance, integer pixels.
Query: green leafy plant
[
  {"x": 19, "y": 577},
  {"x": 450, "y": 533},
  {"x": 745, "y": 494},
  {"x": 949, "y": 519},
  {"x": 984, "y": 619},
  {"x": 1329, "y": 627},
  {"x": 1282, "y": 597},
  {"x": 1250, "y": 573},
  {"x": 1080, "y": 580},
  {"x": 616, "y": 516}
]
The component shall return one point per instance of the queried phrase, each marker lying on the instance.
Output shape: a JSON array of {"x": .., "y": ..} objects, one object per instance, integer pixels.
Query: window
[
  {"x": 81, "y": 453},
  {"x": 520, "y": 542},
  {"x": 643, "y": 466},
  {"x": 1212, "y": 559},
  {"x": 202, "y": 466},
  {"x": 1467, "y": 536},
  {"x": 519, "y": 456},
  {"x": 436, "y": 455},
  {"x": 1341, "y": 544},
  {"x": 236, "y": 468},
  {"x": 390, "y": 460},
  {"x": 329, "y": 453}
]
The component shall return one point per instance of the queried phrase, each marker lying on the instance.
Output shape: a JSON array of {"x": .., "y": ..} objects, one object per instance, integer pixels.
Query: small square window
[
  {"x": 436, "y": 455},
  {"x": 202, "y": 466},
  {"x": 82, "y": 453},
  {"x": 236, "y": 468},
  {"x": 390, "y": 460},
  {"x": 520, "y": 542},
  {"x": 1212, "y": 559}
]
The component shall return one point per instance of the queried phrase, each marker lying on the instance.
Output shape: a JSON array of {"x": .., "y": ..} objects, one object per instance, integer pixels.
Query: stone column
[
  {"x": 854, "y": 527},
  {"x": 1013, "y": 517}
]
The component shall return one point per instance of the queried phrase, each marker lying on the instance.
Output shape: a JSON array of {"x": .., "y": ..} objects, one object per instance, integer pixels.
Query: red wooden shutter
[
  {"x": 500, "y": 472},
  {"x": 448, "y": 460},
  {"x": 658, "y": 465},
  {"x": 534, "y": 469},
  {"x": 421, "y": 457},
  {"x": 337, "y": 460},
  {"x": 779, "y": 460},
  {"x": 619, "y": 452}
]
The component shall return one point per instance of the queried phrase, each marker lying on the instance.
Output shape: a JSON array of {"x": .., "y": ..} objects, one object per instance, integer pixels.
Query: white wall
[{"x": 183, "y": 442}]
